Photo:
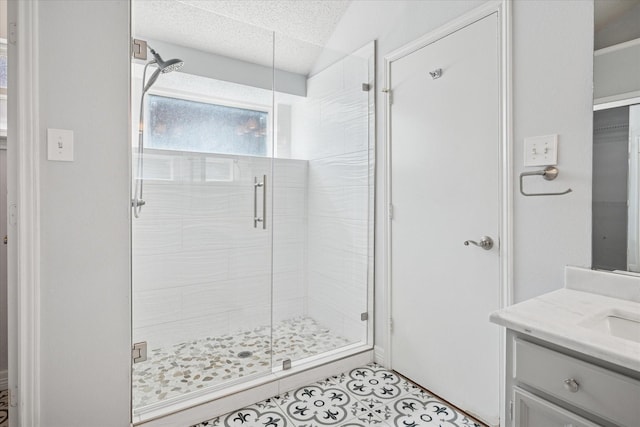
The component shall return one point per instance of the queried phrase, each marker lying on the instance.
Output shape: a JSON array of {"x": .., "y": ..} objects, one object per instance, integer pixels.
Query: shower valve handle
[{"x": 136, "y": 203}]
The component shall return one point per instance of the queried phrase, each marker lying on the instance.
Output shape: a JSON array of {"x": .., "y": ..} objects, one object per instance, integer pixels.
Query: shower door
[
  {"x": 253, "y": 251},
  {"x": 323, "y": 205},
  {"x": 202, "y": 258}
]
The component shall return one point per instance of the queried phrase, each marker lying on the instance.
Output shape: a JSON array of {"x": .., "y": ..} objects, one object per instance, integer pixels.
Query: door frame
[
  {"x": 503, "y": 10},
  {"x": 23, "y": 200}
]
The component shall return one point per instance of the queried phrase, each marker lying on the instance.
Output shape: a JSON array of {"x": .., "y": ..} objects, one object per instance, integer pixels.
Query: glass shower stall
[{"x": 252, "y": 243}]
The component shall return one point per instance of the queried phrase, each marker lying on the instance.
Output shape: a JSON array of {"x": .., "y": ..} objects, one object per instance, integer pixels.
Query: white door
[{"x": 445, "y": 170}]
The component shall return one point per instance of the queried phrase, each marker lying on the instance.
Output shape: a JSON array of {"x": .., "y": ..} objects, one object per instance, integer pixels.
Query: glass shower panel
[
  {"x": 323, "y": 190},
  {"x": 202, "y": 240}
]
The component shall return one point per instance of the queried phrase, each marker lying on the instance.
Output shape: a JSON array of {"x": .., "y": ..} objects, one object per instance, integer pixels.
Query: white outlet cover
[
  {"x": 541, "y": 150},
  {"x": 60, "y": 145}
]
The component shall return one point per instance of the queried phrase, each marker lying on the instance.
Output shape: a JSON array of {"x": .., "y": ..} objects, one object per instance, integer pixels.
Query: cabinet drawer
[
  {"x": 531, "y": 411},
  {"x": 599, "y": 391}
]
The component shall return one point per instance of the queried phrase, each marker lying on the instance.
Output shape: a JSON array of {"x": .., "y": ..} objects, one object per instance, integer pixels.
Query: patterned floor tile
[
  {"x": 334, "y": 380},
  {"x": 410, "y": 388},
  {"x": 356, "y": 423},
  {"x": 4, "y": 408},
  {"x": 413, "y": 411},
  {"x": 364, "y": 415},
  {"x": 262, "y": 414},
  {"x": 317, "y": 405},
  {"x": 373, "y": 381},
  {"x": 363, "y": 397}
]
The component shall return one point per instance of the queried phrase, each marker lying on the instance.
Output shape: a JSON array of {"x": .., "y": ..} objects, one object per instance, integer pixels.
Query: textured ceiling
[{"x": 244, "y": 29}]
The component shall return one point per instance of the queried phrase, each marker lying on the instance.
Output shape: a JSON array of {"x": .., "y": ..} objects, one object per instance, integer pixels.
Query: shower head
[
  {"x": 163, "y": 67},
  {"x": 166, "y": 66}
]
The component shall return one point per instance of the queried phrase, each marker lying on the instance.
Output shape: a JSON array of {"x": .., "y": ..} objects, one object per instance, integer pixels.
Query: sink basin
[{"x": 617, "y": 323}]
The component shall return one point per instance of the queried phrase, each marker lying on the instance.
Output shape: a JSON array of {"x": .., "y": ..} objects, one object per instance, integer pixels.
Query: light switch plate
[
  {"x": 541, "y": 150},
  {"x": 60, "y": 145}
]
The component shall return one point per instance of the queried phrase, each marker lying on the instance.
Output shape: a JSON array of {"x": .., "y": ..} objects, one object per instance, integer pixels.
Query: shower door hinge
[
  {"x": 366, "y": 87},
  {"x": 13, "y": 33},
  {"x": 139, "y": 352},
  {"x": 364, "y": 316},
  {"x": 139, "y": 49},
  {"x": 286, "y": 364}
]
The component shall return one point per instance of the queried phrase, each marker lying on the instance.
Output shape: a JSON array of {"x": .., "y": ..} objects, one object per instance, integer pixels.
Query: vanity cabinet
[
  {"x": 548, "y": 386},
  {"x": 533, "y": 411}
]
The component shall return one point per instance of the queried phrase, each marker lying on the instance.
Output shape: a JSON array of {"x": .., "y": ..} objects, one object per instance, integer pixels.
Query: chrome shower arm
[{"x": 162, "y": 67}]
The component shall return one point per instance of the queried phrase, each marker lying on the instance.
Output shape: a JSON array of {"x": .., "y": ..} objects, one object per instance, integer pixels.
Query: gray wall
[
  {"x": 552, "y": 93},
  {"x": 3, "y": 218},
  {"x": 232, "y": 70},
  {"x": 623, "y": 29},
  {"x": 85, "y": 329}
]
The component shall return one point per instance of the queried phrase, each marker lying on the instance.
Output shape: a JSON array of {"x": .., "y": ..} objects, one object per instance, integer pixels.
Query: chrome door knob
[{"x": 485, "y": 243}]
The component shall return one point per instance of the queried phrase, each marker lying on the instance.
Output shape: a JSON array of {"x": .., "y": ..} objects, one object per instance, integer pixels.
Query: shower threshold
[{"x": 181, "y": 369}]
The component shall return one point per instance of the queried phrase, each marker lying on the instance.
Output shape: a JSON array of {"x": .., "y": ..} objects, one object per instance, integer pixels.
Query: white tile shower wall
[
  {"x": 200, "y": 267},
  {"x": 330, "y": 129}
]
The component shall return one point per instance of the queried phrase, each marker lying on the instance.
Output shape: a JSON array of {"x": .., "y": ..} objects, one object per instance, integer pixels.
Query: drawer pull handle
[{"x": 571, "y": 385}]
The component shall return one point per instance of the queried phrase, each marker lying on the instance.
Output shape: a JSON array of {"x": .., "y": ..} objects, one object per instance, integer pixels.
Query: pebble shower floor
[
  {"x": 367, "y": 396},
  {"x": 182, "y": 368}
]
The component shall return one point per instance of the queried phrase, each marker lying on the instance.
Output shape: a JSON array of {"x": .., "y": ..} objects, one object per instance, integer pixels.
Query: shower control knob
[
  {"x": 136, "y": 203},
  {"x": 485, "y": 243}
]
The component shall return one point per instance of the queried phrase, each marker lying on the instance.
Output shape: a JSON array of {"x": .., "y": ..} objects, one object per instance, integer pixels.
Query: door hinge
[
  {"x": 139, "y": 49},
  {"x": 13, "y": 33},
  {"x": 390, "y": 211},
  {"x": 511, "y": 410},
  {"x": 139, "y": 352},
  {"x": 286, "y": 364},
  {"x": 364, "y": 316},
  {"x": 366, "y": 87},
  {"x": 391, "y": 324}
]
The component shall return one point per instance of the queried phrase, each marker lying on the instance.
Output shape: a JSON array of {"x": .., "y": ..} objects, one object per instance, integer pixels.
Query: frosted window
[
  {"x": 182, "y": 125},
  {"x": 3, "y": 68},
  {"x": 3, "y": 71}
]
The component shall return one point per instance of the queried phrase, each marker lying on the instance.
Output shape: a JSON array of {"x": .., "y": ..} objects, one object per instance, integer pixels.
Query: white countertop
[{"x": 556, "y": 317}]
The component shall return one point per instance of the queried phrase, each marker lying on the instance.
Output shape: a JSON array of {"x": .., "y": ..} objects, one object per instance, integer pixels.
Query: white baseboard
[
  {"x": 378, "y": 355},
  {"x": 4, "y": 380}
]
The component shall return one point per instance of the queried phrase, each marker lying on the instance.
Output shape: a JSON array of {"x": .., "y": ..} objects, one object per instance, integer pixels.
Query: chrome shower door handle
[
  {"x": 485, "y": 243},
  {"x": 264, "y": 202},
  {"x": 256, "y": 219},
  {"x": 263, "y": 218}
]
